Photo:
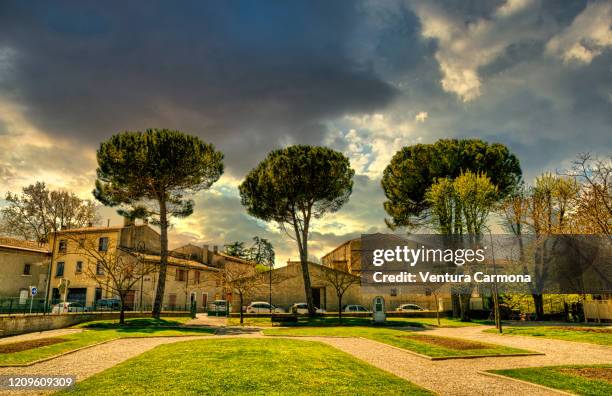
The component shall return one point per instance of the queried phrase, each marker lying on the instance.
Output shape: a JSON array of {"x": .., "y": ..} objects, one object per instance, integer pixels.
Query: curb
[
  {"x": 435, "y": 358},
  {"x": 499, "y": 376}
]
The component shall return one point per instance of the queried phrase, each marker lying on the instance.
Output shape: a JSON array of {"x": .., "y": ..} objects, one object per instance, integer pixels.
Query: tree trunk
[
  {"x": 339, "y": 309},
  {"x": 122, "y": 311},
  {"x": 455, "y": 304},
  {"x": 437, "y": 308},
  {"x": 241, "y": 313},
  {"x": 465, "y": 307},
  {"x": 163, "y": 262},
  {"x": 538, "y": 302},
  {"x": 302, "y": 239}
]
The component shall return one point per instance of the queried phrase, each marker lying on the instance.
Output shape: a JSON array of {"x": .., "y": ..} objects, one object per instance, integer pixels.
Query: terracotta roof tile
[{"x": 23, "y": 244}]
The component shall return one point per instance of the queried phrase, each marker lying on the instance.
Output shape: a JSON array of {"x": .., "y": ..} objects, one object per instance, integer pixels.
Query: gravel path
[
  {"x": 205, "y": 320},
  {"x": 90, "y": 361},
  {"x": 446, "y": 377},
  {"x": 39, "y": 334},
  {"x": 460, "y": 376}
]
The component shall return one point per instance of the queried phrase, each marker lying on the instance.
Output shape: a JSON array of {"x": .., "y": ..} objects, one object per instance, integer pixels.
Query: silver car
[{"x": 302, "y": 309}]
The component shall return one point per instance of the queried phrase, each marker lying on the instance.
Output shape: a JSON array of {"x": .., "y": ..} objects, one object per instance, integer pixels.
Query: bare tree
[
  {"x": 38, "y": 212},
  {"x": 113, "y": 269},
  {"x": 593, "y": 206},
  {"x": 244, "y": 280},
  {"x": 341, "y": 280}
]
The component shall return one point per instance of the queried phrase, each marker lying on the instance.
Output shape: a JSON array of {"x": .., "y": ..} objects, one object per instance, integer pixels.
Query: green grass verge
[
  {"x": 135, "y": 322},
  {"x": 93, "y": 335},
  {"x": 241, "y": 367},
  {"x": 333, "y": 321},
  {"x": 559, "y": 333},
  {"x": 394, "y": 337},
  {"x": 553, "y": 377}
]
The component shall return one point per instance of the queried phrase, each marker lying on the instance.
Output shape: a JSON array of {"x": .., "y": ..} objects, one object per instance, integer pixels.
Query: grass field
[
  {"x": 332, "y": 321},
  {"x": 590, "y": 334},
  {"x": 240, "y": 367},
  {"x": 594, "y": 380},
  {"x": 96, "y": 332},
  {"x": 436, "y": 347}
]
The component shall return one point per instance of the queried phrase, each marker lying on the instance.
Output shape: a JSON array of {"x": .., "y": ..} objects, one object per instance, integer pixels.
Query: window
[
  {"x": 59, "y": 270},
  {"x": 79, "y": 267},
  {"x": 103, "y": 244},
  {"x": 27, "y": 269},
  {"x": 62, "y": 246},
  {"x": 197, "y": 277},
  {"x": 98, "y": 295},
  {"x": 180, "y": 275},
  {"x": 81, "y": 242},
  {"x": 99, "y": 268}
]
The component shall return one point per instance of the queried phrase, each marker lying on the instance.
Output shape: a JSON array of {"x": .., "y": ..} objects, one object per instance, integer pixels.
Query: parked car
[
  {"x": 108, "y": 304},
  {"x": 218, "y": 306},
  {"x": 355, "y": 308},
  {"x": 302, "y": 308},
  {"x": 262, "y": 307},
  {"x": 409, "y": 308},
  {"x": 64, "y": 307}
]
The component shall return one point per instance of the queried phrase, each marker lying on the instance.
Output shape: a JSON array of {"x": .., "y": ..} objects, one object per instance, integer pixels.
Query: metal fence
[{"x": 17, "y": 305}]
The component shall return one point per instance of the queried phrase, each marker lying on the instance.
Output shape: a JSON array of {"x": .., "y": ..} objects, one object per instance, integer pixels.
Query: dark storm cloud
[{"x": 244, "y": 75}]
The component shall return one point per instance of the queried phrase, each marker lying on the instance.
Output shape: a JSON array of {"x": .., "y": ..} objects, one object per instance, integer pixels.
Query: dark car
[{"x": 108, "y": 304}]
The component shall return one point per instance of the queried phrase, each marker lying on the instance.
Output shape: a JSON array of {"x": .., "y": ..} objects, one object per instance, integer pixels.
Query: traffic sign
[{"x": 33, "y": 291}]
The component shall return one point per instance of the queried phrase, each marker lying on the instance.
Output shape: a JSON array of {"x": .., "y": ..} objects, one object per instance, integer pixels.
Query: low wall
[
  {"x": 21, "y": 324},
  {"x": 390, "y": 314}
]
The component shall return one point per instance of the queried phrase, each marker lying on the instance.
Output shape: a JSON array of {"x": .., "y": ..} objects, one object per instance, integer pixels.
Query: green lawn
[
  {"x": 241, "y": 367},
  {"x": 107, "y": 330},
  {"x": 333, "y": 321},
  {"x": 400, "y": 338},
  {"x": 558, "y": 377},
  {"x": 136, "y": 322},
  {"x": 590, "y": 334}
]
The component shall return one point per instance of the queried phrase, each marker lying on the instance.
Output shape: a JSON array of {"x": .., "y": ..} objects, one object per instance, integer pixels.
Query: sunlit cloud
[{"x": 587, "y": 37}]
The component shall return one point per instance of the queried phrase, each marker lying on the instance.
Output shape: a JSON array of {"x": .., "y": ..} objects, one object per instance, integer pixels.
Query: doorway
[{"x": 318, "y": 297}]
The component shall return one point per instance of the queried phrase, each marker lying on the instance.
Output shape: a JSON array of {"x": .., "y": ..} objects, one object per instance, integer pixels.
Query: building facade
[
  {"x": 288, "y": 288},
  {"x": 192, "y": 273},
  {"x": 22, "y": 264}
]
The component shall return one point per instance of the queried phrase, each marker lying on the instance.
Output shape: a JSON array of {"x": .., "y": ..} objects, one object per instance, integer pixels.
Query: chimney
[
  {"x": 215, "y": 249},
  {"x": 127, "y": 221},
  {"x": 205, "y": 254}
]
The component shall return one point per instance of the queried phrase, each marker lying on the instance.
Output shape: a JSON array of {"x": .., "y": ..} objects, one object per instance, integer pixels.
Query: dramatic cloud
[
  {"x": 464, "y": 47},
  {"x": 588, "y": 35},
  {"x": 365, "y": 78}
]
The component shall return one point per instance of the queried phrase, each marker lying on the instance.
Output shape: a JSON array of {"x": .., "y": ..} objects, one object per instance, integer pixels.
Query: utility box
[{"x": 378, "y": 310}]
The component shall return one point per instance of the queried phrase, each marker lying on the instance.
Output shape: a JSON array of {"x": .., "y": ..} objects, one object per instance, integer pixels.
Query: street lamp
[
  {"x": 140, "y": 252},
  {"x": 271, "y": 264}
]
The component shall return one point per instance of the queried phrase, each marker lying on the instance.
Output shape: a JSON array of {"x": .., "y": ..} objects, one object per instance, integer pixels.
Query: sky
[{"x": 362, "y": 77}]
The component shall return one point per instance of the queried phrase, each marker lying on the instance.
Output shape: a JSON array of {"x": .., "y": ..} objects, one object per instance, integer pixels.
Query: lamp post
[
  {"x": 270, "y": 293},
  {"x": 141, "y": 251}
]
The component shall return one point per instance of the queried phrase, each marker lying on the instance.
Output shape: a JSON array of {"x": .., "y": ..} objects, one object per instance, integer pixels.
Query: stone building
[
  {"x": 288, "y": 288},
  {"x": 22, "y": 264},
  {"x": 192, "y": 273}
]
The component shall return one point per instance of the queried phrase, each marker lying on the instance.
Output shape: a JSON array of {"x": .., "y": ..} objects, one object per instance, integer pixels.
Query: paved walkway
[{"x": 446, "y": 377}]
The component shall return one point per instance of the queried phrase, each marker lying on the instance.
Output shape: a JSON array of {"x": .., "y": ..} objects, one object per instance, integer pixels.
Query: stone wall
[{"x": 21, "y": 324}]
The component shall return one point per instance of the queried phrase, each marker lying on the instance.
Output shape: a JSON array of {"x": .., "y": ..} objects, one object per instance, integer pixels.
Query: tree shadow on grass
[{"x": 329, "y": 321}]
